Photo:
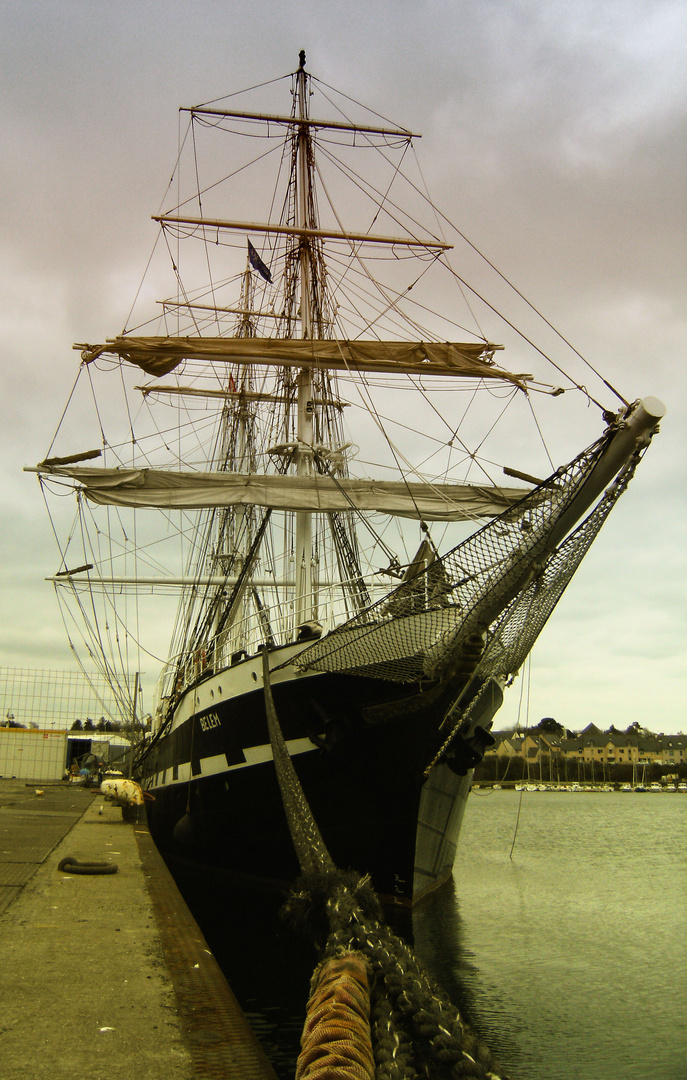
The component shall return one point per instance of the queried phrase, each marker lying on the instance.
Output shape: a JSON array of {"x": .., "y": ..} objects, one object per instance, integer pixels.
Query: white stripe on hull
[{"x": 213, "y": 766}]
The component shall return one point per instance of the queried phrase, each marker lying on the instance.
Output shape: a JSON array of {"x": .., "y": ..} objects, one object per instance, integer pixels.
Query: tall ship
[{"x": 309, "y": 455}]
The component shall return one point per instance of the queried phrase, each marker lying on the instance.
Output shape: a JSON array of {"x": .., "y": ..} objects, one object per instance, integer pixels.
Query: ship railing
[{"x": 271, "y": 621}]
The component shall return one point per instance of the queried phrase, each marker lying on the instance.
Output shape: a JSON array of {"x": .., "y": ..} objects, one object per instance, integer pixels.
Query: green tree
[{"x": 550, "y": 726}]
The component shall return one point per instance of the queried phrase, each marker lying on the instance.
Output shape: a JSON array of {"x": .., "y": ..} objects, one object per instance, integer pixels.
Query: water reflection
[
  {"x": 438, "y": 942},
  {"x": 441, "y": 943}
]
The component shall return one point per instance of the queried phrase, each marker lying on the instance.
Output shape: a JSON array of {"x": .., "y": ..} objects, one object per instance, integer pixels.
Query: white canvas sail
[{"x": 313, "y": 494}]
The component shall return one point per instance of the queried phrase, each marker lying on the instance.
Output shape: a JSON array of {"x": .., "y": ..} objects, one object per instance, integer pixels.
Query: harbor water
[{"x": 569, "y": 956}]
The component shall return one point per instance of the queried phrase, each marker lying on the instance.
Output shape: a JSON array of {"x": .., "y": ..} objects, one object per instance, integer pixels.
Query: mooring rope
[
  {"x": 307, "y": 839},
  {"x": 415, "y": 1032}
]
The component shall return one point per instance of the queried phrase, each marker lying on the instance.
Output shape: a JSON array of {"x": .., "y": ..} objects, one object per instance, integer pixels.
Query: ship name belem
[{"x": 210, "y": 721}]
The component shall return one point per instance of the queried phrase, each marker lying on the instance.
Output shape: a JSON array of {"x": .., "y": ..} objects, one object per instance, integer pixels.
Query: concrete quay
[{"x": 105, "y": 977}]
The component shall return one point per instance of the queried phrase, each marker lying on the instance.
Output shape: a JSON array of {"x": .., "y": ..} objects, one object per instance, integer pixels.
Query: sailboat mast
[{"x": 303, "y": 554}]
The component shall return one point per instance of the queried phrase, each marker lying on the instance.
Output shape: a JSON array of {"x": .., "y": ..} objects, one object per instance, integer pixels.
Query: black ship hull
[{"x": 359, "y": 746}]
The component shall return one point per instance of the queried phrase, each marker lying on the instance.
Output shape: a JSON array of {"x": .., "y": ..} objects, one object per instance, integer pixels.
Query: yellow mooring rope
[{"x": 336, "y": 1040}]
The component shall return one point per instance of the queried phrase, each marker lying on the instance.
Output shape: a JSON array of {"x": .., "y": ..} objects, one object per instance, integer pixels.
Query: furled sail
[
  {"x": 314, "y": 494},
  {"x": 160, "y": 355}
]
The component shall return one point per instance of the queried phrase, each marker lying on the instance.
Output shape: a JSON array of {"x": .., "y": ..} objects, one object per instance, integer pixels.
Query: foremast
[{"x": 305, "y": 605}]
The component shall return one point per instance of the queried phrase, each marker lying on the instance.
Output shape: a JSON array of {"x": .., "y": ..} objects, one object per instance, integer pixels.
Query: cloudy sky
[{"x": 553, "y": 133}]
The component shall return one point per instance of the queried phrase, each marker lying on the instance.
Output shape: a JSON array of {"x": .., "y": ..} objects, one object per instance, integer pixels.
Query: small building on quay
[{"x": 45, "y": 755}]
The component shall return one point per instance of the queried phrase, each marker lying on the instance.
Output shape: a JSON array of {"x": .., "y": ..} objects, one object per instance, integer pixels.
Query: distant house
[
  {"x": 592, "y": 745},
  {"x": 663, "y": 749}
]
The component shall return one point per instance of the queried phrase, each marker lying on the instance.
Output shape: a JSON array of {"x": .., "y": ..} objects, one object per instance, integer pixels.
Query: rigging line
[
  {"x": 197, "y": 595},
  {"x": 181, "y": 203},
  {"x": 131, "y": 441},
  {"x": 181, "y": 143},
  {"x": 97, "y": 410},
  {"x": 372, "y": 112},
  {"x": 418, "y": 304},
  {"x": 373, "y": 193},
  {"x": 60, "y": 547},
  {"x": 439, "y": 213},
  {"x": 115, "y": 689},
  {"x": 480, "y": 444},
  {"x": 471, "y": 454},
  {"x": 177, "y": 274},
  {"x": 380, "y": 417},
  {"x": 426, "y": 196},
  {"x": 392, "y": 304},
  {"x": 211, "y": 284},
  {"x": 244, "y": 575},
  {"x": 541, "y": 434},
  {"x": 395, "y": 453},
  {"x": 204, "y": 619},
  {"x": 140, "y": 284},
  {"x": 84, "y": 508},
  {"x": 224, "y": 124},
  {"x": 527, "y": 724},
  {"x": 284, "y": 157},
  {"x": 93, "y": 625},
  {"x": 246, "y": 90},
  {"x": 369, "y": 298},
  {"x": 385, "y": 196},
  {"x": 115, "y": 648},
  {"x": 64, "y": 411},
  {"x": 536, "y": 348},
  {"x": 522, "y": 297},
  {"x": 137, "y": 612},
  {"x": 325, "y": 470},
  {"x": 175, "y": 172}
]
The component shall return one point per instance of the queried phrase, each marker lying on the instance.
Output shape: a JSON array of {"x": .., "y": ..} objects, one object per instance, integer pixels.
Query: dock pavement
[{"x": 105, "y": 977}]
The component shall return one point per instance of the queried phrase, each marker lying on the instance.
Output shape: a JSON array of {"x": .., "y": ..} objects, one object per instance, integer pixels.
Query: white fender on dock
[{"x": 122, "y": 792}]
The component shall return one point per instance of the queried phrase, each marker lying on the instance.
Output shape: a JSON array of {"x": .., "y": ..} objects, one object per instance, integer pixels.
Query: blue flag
[{"x": 257, "y": 263}]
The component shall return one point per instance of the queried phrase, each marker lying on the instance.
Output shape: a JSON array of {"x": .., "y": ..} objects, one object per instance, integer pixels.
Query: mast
[
  {"x": 304, "y": 434},
  {"x": 239, "y": 542}
]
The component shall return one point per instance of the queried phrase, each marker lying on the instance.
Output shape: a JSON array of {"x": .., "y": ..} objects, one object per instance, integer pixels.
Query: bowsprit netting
[{"x": 502, "y": 583}]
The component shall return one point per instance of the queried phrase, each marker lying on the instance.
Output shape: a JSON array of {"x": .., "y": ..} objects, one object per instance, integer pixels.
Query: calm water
[{"x": 570, "y": 959}]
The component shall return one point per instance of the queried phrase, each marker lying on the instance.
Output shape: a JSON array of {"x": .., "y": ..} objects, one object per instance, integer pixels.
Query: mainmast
[{"x": 304, "y": 606}]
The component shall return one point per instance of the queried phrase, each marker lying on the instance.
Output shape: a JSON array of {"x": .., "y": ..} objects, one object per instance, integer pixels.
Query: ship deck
[{"x": 106, "y": 974}]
